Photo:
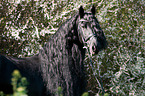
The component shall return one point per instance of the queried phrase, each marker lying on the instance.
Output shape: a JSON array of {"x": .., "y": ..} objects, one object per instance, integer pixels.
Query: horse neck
[{"x": 56, "y": 57}]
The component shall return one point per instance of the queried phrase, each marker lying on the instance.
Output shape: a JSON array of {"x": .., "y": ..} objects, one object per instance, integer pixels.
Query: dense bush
[{"x": 27, "y": 24}]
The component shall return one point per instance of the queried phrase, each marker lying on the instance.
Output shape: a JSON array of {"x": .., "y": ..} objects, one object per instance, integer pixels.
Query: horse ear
[
  {"x": 93, "y": 10},
  {"x": 81, "y": 12}
]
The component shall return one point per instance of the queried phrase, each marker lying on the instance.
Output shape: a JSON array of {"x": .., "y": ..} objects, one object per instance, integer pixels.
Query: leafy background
[{"x": 26, "y": 25}]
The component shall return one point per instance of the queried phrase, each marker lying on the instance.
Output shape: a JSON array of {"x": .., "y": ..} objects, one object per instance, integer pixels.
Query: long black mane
[{"x": 63, "y": 57}]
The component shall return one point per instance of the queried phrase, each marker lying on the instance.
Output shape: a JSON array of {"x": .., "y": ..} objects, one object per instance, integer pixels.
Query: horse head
[{"x": 90, "y": 32}]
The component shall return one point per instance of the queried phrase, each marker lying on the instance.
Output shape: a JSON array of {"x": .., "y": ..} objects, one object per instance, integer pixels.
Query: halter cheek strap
[{"x": 88, "y": 38}]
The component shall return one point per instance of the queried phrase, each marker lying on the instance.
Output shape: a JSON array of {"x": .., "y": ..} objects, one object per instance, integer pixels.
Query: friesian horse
[{"x": 60, "y": 62}]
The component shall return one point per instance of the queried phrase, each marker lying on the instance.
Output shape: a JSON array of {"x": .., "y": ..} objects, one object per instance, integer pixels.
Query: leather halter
[{"x": 89, "y": 37}]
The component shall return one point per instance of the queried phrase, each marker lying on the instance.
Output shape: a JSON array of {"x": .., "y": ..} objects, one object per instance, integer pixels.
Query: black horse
[{"x": 60, "y": 62}]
